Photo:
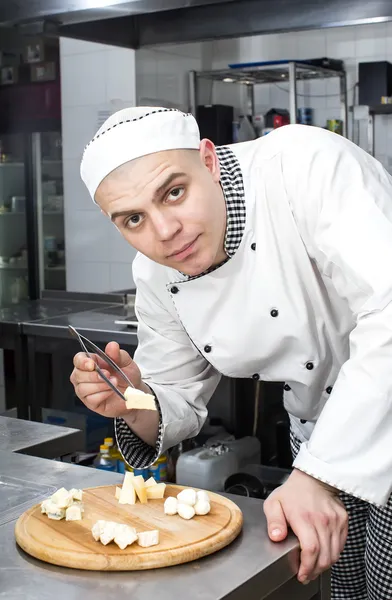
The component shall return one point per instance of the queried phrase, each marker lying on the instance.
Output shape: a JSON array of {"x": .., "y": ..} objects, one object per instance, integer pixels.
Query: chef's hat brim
[{"x": 132, "y": 133}]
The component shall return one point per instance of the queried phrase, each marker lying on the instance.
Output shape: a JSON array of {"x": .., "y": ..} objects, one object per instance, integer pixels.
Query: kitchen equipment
[
  {"x": 71, "y": 544},
  {"x": 84, "y": 342},
  {"x": 256, "y": 481},
  {"x": 206, "y": 468},
  {"x": 216, "y": 123},
  {"x": 247, "y": 449}
]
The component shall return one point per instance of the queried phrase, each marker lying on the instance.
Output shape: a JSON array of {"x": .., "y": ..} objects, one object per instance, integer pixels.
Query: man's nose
[{"x": 166, "y": 226}]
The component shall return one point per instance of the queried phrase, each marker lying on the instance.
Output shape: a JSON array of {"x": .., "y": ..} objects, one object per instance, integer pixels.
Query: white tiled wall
[
  {"x": 94, "y": 77},
  {"x": 362, "y": 43}
]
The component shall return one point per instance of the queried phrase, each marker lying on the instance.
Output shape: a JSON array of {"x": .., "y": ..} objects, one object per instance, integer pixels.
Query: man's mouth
[{"x": 183, "y": 252}]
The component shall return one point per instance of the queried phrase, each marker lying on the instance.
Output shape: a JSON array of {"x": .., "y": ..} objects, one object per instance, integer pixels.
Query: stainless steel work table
[
  {"x": 38, "y": 439},
  {"x": 251, "y": 568}
]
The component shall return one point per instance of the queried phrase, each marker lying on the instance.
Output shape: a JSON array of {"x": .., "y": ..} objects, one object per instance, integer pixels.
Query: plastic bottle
[
  {"x": 115, "y": 454},
  {"x": 104, "y": 461}
]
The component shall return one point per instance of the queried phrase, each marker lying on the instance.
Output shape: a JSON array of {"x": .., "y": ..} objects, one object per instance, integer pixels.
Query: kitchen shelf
[
  {"x": 59, "y": 268},
  {"x": 268, "y": 73},
  {"x": 274, "y": 72},
  {"x": 12, "y": 268},
  {"x": 53, "y": 212},
  {"x": 11, "y": 164}
]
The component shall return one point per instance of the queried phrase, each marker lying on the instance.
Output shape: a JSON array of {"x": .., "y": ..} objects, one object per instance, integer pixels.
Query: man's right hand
[{"x": 94, "y": 392}]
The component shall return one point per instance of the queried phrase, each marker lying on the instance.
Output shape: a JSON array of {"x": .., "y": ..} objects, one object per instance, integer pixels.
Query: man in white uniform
[{"x": 269, "y": 259}]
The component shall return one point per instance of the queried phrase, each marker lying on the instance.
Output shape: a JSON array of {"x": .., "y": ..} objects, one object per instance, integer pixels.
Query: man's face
[{"x": 170, "y": 207}]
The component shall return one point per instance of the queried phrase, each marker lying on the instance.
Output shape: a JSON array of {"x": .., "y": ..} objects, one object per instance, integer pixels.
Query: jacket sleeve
[
  {"x": 181, "y": 379},
  {"x": 342, "y": 202}
]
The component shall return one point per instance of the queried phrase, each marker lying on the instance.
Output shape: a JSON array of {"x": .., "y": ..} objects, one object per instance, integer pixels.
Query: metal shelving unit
[{"x": 271, "y": 72}]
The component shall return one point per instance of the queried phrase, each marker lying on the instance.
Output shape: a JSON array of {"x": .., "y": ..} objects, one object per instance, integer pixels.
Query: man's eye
[
  {"x": 133, "y": 221},
  {"x": 176, "y": 193}
]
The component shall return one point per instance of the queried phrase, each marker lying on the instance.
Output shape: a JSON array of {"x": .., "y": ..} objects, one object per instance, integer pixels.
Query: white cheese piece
[
  {"x": 202, "y": 495},
  {"x": 148, "y": 538},
  {"x": 125, "y": 536},
  {"x": 62, "y": 498},
  {"x": 185, "y": 511},
  {"x": 54, "y": 511},
  {"x": 187, "y": 496},
  {"x": 139, "y": 400},
  {"x": 202, "y": 507},
  {"x": 170, "y": 506},
  {"x": 98, "y": 529},
  {"x": 73, "y": 513},
  {"x": 76, "y": 494},
  {"x": 109, "y": 532},
  {"x": 44, "y": 505},
  {"x": 118, "y": 493}
]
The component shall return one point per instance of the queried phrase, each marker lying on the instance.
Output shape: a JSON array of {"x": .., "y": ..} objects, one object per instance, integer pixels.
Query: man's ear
[{"x": 209, "y": 158}]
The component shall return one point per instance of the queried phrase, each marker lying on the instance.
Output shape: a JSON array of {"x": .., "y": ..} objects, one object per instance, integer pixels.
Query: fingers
[
  {"x": 310, "y": 549},
  {"x": 276, "y": 520}
]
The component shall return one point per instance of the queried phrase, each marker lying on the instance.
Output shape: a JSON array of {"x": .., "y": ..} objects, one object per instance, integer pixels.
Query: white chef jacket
[{"x": 306, "y": 299}]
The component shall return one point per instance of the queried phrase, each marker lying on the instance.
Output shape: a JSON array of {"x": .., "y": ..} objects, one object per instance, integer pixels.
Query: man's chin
[{"x": 192, "y": 270}]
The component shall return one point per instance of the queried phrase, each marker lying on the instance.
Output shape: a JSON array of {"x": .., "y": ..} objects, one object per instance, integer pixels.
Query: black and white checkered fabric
[
  {"x": 364, "y": 571},
  {"x": 136, "y": 452}
]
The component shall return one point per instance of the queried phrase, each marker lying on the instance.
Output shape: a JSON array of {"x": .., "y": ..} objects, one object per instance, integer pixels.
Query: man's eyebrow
[{"x": 157, "y": 193}]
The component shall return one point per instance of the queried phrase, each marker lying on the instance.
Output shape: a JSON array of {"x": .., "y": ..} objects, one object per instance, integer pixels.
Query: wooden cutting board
[{"x": 71, "y": 544}]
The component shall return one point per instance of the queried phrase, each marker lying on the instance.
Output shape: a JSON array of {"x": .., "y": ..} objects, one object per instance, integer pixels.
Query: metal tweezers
[{"x": 84, "y": 342}]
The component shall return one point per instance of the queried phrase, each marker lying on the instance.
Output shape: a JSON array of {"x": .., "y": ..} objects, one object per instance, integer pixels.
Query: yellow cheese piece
[
  {"x": 141, "y": 491},
  {"x": 150, "y": 482},
  {"x": 127, "y": 482},
  {"x": 127, "y": 495},
  {"x": 118, "y": 492},
  {"x": 156, "y": 492},
  {"x": 139, "y": 400}
]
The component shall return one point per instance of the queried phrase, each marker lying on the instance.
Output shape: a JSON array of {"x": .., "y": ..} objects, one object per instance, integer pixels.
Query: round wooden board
[{"x": 71, "y": 544}]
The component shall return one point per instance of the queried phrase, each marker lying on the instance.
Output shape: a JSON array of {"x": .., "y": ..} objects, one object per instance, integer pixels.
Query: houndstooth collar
[{"x": 233, "y": 191}]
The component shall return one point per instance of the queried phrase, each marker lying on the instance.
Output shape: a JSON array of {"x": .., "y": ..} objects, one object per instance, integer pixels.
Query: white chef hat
[{"x": 134, "y": 132}]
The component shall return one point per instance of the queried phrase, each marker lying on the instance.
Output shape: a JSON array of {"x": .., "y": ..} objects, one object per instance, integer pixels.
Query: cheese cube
[
  {"x": 76, "y": 494},
  {"x": 137, "y": 399},
  {"x": 156, "y": 492},
  {"x": 127, "y": 496},
  {"x": 98, "y": 529},
  {"x": 125, "y": 536},
  {"x": 141, "y": 491},
  {"x": 73, "y": 513},
  {"x": 54, "y": 511},
  {"x": 62, "y": 498},
  {"x": 148, "y": 538},
  {"x": 150, "y": 482},
  {"x": 117, "y": 493},
  {"x": 109, "y": 532}
]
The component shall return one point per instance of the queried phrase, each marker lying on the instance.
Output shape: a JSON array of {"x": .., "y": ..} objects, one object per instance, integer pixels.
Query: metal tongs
[{"x": 84, "y": 342}]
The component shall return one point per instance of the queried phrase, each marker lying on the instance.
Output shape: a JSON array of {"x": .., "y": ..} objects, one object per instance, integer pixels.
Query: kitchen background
[{"x": 96, "y": 79}]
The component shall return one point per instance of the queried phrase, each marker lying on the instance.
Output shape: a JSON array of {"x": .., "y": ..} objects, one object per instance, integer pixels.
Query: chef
[{"x": 271, "y": 260}]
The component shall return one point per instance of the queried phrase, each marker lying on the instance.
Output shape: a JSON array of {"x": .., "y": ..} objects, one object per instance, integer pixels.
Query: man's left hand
[{"x": 316, "y": 515}]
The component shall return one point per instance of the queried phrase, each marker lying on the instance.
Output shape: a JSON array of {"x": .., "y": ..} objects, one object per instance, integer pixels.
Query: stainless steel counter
[
  {"x": 38, "y": 439},
  {"x": 97, "y": 324},
  {"x": 252, "y": 567}
]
